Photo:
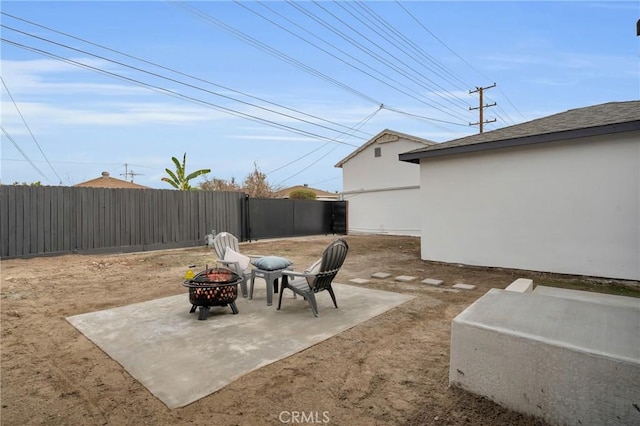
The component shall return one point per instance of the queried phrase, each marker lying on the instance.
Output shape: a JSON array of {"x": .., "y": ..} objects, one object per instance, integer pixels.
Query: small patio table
[{"x": 271, "y": 277}]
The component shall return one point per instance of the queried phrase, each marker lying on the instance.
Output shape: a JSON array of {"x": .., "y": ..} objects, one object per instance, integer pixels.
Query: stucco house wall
[
  {"x": 562, "y": 203},
  {"x": 383, "y": 193},
  {"x": 573, "y": 207}
]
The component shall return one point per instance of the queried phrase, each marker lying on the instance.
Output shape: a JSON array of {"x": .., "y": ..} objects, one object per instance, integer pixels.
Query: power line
[
  {"x": 367, "y": 51},
  {"x": 169, "y": 79},
  {"x": 437, "y": 38},
  {"x": 26, "y": 157},
  {"x": 179, "y": 95},
  {"x": 338, "y": 49},
  {"x": 400, "y": 69},
  {"x": 422, "y": 117},
  {"x": 276, "y": 53},
  {"x": 29, "y": 129},
  {"x": 458, "y": 56},
  {"x": 174, "y": 70},
  {"x": 402, "y": 39},
  {"x": 360, "y": 124},
  {"x": 85, "y": 163}
]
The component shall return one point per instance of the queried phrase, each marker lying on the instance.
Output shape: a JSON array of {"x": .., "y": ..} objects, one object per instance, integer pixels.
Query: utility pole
[
  {"x": 128, "y": 173},
  {"x": 481, "y": 107}
]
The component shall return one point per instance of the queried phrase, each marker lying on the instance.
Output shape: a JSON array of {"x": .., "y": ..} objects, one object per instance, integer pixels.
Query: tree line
[{"x": 255, "y": 184}]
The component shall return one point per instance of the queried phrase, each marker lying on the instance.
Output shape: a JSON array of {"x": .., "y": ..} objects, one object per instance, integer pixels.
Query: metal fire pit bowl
[{"x": 213, "y": 287}]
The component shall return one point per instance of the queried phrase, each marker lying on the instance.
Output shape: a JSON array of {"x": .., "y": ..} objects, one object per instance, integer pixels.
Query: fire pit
[{"x": 213, "y": 287}]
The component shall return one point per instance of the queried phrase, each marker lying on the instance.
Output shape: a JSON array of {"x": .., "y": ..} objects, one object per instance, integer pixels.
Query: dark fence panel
[
  {"x": 40, "y": 220},
  {"x": 277, "y": 218},
  {"x": 269, "y": 218},
  {"x": 37, "y": 220}
]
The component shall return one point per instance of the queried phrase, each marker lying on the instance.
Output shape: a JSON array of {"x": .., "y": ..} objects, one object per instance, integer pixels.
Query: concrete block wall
[
  {"x": 567, "y": 361},
  {"x": 521, "y": 285}
]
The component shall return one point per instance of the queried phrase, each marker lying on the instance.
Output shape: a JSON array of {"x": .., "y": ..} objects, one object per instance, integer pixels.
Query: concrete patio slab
[
  {"x": 180, "y": 359},
  {"x": 359, "y": 280}
]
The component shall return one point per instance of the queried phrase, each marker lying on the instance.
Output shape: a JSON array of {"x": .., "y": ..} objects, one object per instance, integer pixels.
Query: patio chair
[
  {"x": 318, "y": 277},
  {"x": 228, "y": 252}
]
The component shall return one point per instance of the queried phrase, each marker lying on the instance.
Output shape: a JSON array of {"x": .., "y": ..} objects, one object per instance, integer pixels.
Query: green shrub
[{"x": 302, "y": 194}]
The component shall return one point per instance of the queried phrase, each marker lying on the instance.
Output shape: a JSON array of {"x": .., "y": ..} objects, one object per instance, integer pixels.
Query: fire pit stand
[{"x": 213, "y": 287}]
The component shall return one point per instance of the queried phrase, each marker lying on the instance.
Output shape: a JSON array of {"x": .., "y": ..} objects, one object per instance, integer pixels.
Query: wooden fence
[{"x": 40, "y": 220}]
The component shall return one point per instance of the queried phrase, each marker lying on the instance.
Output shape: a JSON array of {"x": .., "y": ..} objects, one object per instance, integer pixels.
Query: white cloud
[
  {"x": 274, "y": 138},
  {"x": 48, "y": 116},
  {"x": 567, "y": 63},
  {"x": 48, "y": 76},
  {"x": 550, "y": 81}
]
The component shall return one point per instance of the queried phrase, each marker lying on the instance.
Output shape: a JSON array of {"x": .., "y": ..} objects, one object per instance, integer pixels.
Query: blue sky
[{"x": 292, "y": 87}]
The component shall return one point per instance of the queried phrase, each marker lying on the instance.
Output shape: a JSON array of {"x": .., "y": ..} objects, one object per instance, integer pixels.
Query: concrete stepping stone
[
  {"x": 432, "y": 281},
  {"x": 405, "y": 278},
  {"x": 442, "y": 289},
  {"x": 358, "y": 281},
  {"x": 464, "y": 286},
  {"x": 380, "y": 275}
]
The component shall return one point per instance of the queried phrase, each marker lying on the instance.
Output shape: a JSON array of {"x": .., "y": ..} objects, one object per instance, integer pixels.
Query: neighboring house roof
[
  {"x": 105, "y": 181},
  {"x": 608, "y": 118},
  {"x": 383, "y": 137},
  {"x": 284, "y": 193}
]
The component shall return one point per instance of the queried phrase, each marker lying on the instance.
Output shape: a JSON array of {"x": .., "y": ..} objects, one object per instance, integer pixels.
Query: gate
[{"x": 278, "y": 218}]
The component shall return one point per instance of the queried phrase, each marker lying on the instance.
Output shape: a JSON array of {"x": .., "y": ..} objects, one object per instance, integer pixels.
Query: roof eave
[{"x": 414, "y": 157}]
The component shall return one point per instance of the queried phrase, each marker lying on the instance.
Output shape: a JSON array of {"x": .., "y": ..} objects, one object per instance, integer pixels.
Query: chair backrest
[
  {"x": 332, "y": 259},
  {"x": 224, "y": 240}
]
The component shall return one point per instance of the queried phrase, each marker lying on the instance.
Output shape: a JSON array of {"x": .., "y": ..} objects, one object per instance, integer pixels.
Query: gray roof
[{"x": 612, "y": 117}]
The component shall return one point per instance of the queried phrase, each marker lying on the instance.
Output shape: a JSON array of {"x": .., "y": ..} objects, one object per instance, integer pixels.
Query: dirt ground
[{"x": 391, "y": 370}]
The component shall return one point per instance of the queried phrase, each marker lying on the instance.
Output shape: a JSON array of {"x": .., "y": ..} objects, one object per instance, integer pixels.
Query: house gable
[
  {"x": 385, "y": 136},
  {"x": 374, "y": 166}
]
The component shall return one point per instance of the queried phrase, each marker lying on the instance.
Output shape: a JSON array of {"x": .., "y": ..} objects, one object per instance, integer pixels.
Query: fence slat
[{"x": 43, "y": 220}]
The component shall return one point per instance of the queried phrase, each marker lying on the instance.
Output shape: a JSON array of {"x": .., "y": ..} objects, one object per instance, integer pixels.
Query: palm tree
[{"x": 178, "y": 179}]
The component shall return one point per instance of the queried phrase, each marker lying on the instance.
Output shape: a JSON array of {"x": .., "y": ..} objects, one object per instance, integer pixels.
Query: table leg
[{"x": 284, "y": 285}]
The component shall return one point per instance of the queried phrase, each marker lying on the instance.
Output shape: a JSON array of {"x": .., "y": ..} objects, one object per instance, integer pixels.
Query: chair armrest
[
  {"x": 297, "y": 274},
  {"x": 235, "y": 265}
]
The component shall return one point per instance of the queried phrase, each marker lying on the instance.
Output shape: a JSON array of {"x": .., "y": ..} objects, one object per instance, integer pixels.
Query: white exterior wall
[
  {"x": 567, "y": 207},
  {"x": 383, "y": 192},
  {"x": 395, "y": 212}
]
